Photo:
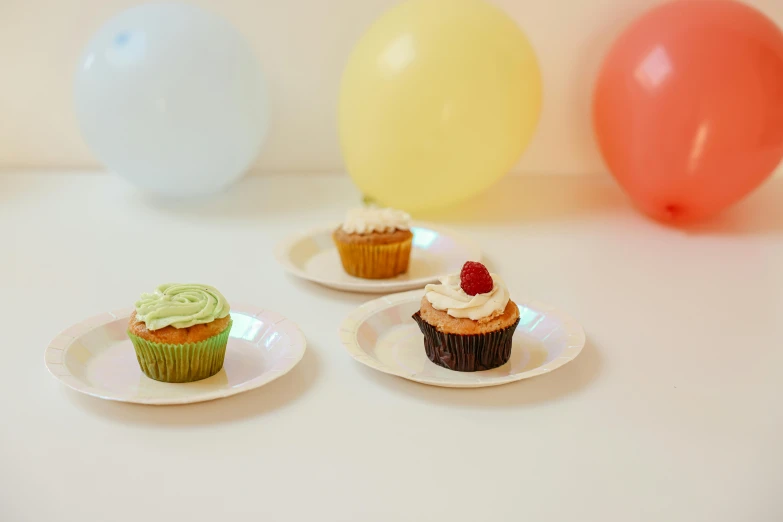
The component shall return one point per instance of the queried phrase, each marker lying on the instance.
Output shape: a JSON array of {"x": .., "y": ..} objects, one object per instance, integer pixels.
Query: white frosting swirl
[
  {"x": 369, "y": 219},
  {"x": 449, "y": 297}
]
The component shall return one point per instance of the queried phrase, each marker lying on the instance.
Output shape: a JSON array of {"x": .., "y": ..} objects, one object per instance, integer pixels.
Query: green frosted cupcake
[{"x": 180, "y": 332}]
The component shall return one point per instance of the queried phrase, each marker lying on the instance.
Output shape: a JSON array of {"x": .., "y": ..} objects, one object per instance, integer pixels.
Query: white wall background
[{"x": 303, "y": 45}]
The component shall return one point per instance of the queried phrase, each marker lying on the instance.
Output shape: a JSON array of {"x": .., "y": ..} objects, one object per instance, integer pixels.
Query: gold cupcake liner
[
  {"x": 375, "y": 261},
  {"x": 187, "y": 362}
]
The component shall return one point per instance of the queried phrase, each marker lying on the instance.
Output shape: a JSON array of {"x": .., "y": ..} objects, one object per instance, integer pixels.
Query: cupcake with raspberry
[
  {"x": 374, "y": 243},
  {"x": 180, "y": 332},
  {"x": 468, "y": 320}
]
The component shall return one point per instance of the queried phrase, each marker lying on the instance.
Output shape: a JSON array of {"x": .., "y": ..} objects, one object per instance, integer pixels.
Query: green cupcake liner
[{"x": 187, "y": 362}]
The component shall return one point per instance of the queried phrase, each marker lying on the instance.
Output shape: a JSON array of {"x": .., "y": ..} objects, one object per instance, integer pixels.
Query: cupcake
[
  {"x": 374, "y": 243},
  {"x": 180, "y": 332},
  {"x": 468, "y": 320}
]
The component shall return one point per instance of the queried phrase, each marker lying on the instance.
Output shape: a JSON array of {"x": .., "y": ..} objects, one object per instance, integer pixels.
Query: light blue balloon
[{"x": 171, "y": 97}]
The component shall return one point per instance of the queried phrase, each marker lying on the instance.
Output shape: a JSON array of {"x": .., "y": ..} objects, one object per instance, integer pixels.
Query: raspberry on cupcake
[
  {"x": 374, "y": 243},
  {"x": 468, "y": 320}
]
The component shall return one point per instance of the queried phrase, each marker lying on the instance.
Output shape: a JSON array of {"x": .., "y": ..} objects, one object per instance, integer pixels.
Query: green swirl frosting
[{"x": 181, "y": 306}]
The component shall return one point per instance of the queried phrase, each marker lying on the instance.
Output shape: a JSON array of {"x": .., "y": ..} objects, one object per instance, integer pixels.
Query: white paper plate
[
  {"x": 97, "y": 358},
  {"x": 436, "y": 251},
  {"x": 382, "y": 335}
]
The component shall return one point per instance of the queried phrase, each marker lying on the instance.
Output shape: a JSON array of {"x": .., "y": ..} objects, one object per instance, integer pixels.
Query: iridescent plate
[
  {"x": 96, "y": 357},
  {"x": 382, "y": 335},
  {"x": 436, "y": 251}
]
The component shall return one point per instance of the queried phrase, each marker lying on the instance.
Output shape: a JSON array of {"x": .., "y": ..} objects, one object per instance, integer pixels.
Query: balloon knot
[{"x": 674, "y": 211}]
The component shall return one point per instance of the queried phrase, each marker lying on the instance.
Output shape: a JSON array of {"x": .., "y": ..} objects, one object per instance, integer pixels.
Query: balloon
[
  {"x": 688, "y": 107},
  {"x": 438, "y": 101},
  {"x": 171, "y": 98}
]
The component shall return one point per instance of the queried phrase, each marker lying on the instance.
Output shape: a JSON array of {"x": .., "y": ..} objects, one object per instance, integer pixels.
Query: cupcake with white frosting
[
  {"x": 180, "y": 332},
  {"x": 374, "y": 243},
  {"x": 468, "y": 320}
]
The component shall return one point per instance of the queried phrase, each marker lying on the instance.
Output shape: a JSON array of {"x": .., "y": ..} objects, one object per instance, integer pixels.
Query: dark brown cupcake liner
[{"x": 467, "y": 353}]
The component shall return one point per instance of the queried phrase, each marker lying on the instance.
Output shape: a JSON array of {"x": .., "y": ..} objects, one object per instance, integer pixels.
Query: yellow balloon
[{"x": 438, "y": 101}]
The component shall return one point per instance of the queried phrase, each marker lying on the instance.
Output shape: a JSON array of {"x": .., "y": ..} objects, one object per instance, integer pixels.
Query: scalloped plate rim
[
  {"x": 369, "y": 286},
  {"x": 298, "y": 344},
  {"x": 350, "y": 326}
]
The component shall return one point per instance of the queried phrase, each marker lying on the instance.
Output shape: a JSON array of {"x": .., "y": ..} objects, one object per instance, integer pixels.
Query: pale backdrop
[{"x": 303, "y": 45}]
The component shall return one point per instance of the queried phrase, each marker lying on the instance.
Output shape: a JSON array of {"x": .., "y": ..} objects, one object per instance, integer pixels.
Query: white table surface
[{"x": 672, "y": 412}]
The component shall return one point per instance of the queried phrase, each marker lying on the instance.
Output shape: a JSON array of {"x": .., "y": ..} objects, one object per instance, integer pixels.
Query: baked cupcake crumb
[
  {"x": 172, "y": 335},
  {"x": 448, "y": 324}
]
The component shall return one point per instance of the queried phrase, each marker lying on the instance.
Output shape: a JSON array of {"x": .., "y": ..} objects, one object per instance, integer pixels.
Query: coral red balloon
[{"x": 688, "y": 107}]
